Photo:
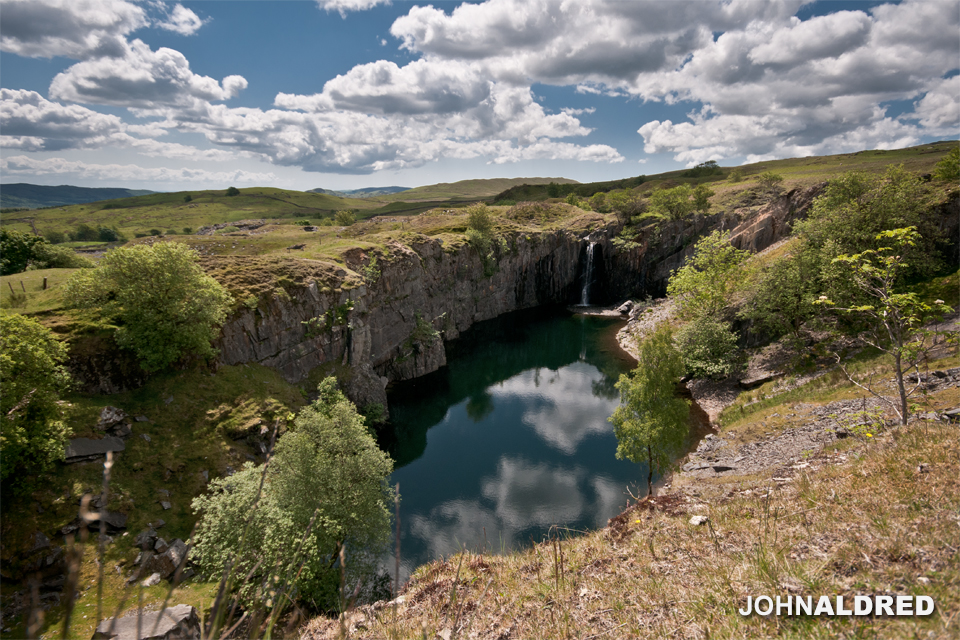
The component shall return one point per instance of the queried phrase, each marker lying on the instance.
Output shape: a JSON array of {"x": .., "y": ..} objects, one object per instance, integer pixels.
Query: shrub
[
  {"x": 55, "y": 237},
  {"x": 709, "y": 348},
  {"x": 948, "y": 169},
  {"x": 323, "y": 491},
  {"x": 171, "y": 232},
  {"x": 188, "y": 198},
  {"x": 708, "y": 168},
  {"x": 109, "y": 234},
  {"x": 303, "y": 223},
  {"x": 702, "y": 285},
  {"x": 32, "y": 436},
  {"x": 85, "y": 233},
  {"x": 16, "y": 250},
  {"x": 167, "y": 306},
  {"x": 48, "y": 256},
  {"x": 188, "y": 230},
  {"x": 479, "y": 219},
  {"x": 232, "y": 191},
  {"x": 736, "y": 174},
  {"x": 156, "y": 232},
  {"x": 770, "y": 182},
  {"x": 344, "y": 218}
]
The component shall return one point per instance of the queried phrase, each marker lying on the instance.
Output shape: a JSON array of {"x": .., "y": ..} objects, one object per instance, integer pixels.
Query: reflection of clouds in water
[
  {"x": 523, "y": 495},
  {"x": 455, "y": 524},
  {"x": 527, "y": 495},
  {"x": 566, "y": 411}
]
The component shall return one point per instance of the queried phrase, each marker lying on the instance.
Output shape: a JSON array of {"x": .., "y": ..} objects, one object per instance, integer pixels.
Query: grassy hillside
[
  {"x": 797, "y": 171},
  {"x": 35, "y": 196},
  {"x": 467, "y": 189}
]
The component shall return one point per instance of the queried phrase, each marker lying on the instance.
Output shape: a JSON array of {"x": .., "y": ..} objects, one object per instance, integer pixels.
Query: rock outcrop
[{"x": 174, "y": 623}]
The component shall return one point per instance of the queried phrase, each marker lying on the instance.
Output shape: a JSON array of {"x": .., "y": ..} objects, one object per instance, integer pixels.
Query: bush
[
  {"x": 188, "y": 230},
  {"x": 48, "y": 256},
  {"x": 85, "y": 233},
  {"x": 55, "y": 237},
  {"x": 708, "y": 168},
  {"x": 303, "y": 223},
  {"x": 233, "y": 191},
  {"x": 324, "y": 490},
  {"x": 479, "y": 219},
  {"x": 166, "y": 305},
  {"x": 344, "y": 218},
  {"x": 32, "y": 436},
  {"x": 770, "y": 182},
  {"x": 171, "y": 232},
  {"x": 709, "y": 348},
  {"x": 188, "y": 198},
  {"x": 702, "y": 285},
  {"x": 16, "y": 250},
  {"x": 156, "y": 232},
  {"x": 948, "y": 169},
  {"x": 109, "y": 234},
  {"x": 736, "y": 174}
]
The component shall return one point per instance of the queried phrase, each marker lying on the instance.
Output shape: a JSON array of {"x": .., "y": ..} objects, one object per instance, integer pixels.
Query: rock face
[
  {"x": 175, "y": 623},
  {"x": 426, "y": 294}
]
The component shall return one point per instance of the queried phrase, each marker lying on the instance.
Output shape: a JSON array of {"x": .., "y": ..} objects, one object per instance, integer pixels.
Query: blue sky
[{"x": 346, "y": 94}]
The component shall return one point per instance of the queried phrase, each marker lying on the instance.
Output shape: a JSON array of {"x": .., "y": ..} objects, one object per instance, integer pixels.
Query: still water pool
[{"x": 511, "y": 438}]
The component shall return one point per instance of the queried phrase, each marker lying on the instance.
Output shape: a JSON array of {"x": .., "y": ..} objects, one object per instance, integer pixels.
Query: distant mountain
[
  {"x": 368, "y": 192},
  {"x": 35, "y": 196}
]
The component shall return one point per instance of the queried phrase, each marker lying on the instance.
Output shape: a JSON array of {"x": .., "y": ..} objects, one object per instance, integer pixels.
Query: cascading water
[{"x": 587, "y": 276}]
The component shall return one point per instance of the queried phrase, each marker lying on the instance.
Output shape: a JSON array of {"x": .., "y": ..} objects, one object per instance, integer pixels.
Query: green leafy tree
[
  {"x": 709, "y": 348},
  {"x": 948, "y": 169},
  {"x": 702, "y": 285},
  {"x": 736, "y": 174},
  {"x": 782, "y": 300},
  {"x": 894, "y": 320},
  {"x": 625, "y": 204},
  {"x": 770, "y": 182},
  {"x": 479, "y": 219},
  {"x": 232, "y": 191},
  {"x": 651, "y": 422},
  {"x": 16, "y": 250},
  {"x": 701, "y": 198},
  {"x": 47, "y": 256},
  {"x": 285, "y": 523},
  {"x": 166, "y": 305},
  {"x": 344, "y": 218},
  {"x": 32, "y": 434},
  {"x": 672, "y": 204},
  {"x": 598, "y": 202}
]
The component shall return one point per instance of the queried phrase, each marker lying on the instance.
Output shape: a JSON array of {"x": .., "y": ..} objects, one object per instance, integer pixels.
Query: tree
[
  {"x": 16, "y": 250},
  {"x": 894, "y": 320},
  {"x": 770, "y": 182},
  {"x": 323, "y": 490},
  {"x": 708, "y": 347},
  {"x": 702, "y": 285},
  {"x": 782, "y": 301},
  {"x": 651, "y": 422},
  {"x": 625, "y": 204},
  {"x": 948, "y": 169},
  {"x": 344, "y": 218},
  {"x": 479, "y": 219},
  {"x": 32, "y": 435},
  {"x": 166, "y": 305},
  {"x": 672, "y": 204},
  {"x": 701, "y": 198},
  {"x": 233, "y": 191},
  {"x": 598, "y": 202}
]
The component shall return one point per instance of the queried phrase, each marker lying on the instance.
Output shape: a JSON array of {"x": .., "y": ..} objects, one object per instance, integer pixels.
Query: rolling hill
[{"x": 21, "y": 195}]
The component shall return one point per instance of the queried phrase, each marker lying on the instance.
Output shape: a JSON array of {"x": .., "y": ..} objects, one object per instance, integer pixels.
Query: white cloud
[
  {"x": 939, "y": 109},
  {"x": 142, "y": 79},
  {"x": 72, "y": 28},
  {"x": 71, "y": 169},
  {"x": 29, "y": 121},
  {"x": 181, "y": 20},
  {"x": 343, "y": 6}
]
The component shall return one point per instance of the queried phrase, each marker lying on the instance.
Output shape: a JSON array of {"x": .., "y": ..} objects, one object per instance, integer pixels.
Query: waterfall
[{"x": 588, "y": 276}]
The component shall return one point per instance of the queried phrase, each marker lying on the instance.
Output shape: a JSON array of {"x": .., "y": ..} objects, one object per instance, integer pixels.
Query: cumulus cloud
[
  {"x": 181, "y": 20},
  {"x": 72, "y": 169},
  {"x": 29, "y": 121},
  {"x": 78, "y": 29},
  {"x": 142, "y": 79},
  {"x": 343, "y": 6}
]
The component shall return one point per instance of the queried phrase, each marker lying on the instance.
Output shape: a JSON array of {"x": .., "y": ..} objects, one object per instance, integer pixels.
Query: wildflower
[
  {"x": 938, "y": 301},
  {"x": 869, "y": 435},
  {"x": 636, "y": 522},
  {"x": 823, "y": 297}
]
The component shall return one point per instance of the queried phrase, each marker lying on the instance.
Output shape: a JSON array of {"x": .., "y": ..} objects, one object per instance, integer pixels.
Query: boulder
[
  {"x": 167, "y": 562},
  {"x": 81, "y": 449},
  {"x": 113, "y": 521},
  {"x": 145, "y": 539},
  {"x": 109, "y": 417},
  {"x": 175, "y": 623}
]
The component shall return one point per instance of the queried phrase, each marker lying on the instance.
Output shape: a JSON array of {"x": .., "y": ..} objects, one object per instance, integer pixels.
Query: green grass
[
  {"x": 36, "y": 299},
  {"x": 466, "y": 189}
]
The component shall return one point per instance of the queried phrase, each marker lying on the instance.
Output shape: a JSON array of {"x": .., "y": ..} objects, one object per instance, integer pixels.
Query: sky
[{"x": 346, "y": 94}]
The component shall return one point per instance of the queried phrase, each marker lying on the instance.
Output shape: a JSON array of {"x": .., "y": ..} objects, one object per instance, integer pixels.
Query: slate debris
[
  {"x": 83, "y": 449},
  {"x": 174, "y": 623}
]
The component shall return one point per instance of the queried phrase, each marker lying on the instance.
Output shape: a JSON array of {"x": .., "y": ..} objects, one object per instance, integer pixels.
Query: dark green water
[{"x": 511, "y": 438}]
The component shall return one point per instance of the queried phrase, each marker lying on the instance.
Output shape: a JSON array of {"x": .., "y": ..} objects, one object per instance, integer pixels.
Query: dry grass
[{"x": 877, "y": 517}]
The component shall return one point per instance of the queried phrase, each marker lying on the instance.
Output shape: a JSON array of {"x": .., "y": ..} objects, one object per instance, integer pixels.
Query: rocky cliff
[{"x": 393, "y": 326}]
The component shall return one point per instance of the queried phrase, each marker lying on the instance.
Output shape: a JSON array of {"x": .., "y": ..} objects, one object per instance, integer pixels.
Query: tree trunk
[
  {"x": 904, "y": 407},
  {"x": 649, "y": 472}
]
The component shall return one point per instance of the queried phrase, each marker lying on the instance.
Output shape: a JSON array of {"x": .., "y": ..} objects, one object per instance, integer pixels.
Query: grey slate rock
[
  {"x": 113, "y": 521},
  {"x": 142, "y": 419},
  {"x": 81, "y": 449}
]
